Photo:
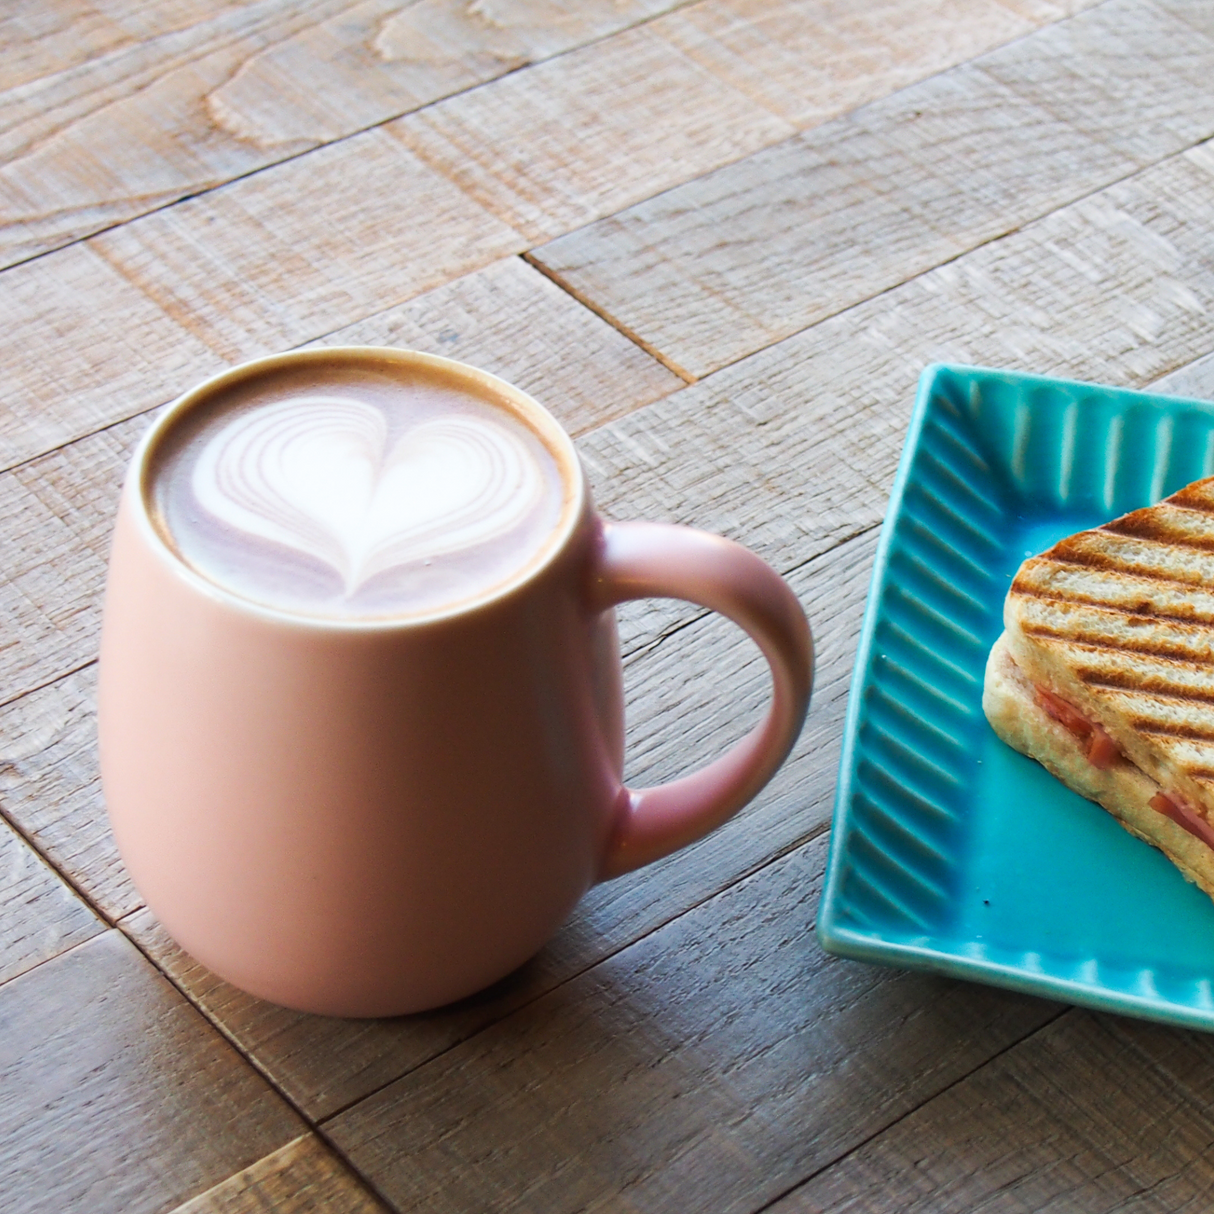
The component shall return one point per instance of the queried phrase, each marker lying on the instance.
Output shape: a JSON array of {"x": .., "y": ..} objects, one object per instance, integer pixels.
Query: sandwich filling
[{"x": 1102, "y": 752}]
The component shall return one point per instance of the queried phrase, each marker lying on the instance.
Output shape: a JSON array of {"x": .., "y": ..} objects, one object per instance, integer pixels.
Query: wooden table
[{"x": 719, "y": 240}]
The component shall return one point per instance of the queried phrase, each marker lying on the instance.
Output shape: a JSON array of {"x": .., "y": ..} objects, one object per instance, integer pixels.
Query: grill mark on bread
[
  {"x": 1109, "y": 681},
  {"x": 1154, "y": 649},
  {"x": 1156, "y": 530},
  {"x": 1107, "y": 562},
  {"x": 1140, "y": 611},
  {"x": 1170, "y": 729},
  {"x": 1101, "y": 659},
  {"x": 1181, "y": 558},
  {"x": 1195, "y": 496}
]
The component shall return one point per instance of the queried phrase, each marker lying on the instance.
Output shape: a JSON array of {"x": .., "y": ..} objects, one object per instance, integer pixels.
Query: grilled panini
[{"x": 1105, "y": 672}]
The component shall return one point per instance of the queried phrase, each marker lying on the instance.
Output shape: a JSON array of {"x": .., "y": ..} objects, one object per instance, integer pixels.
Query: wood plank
[
  {"x": 707, "y": 1066},
  {"x": 268, "y": 263},
  {"x": 56, "y": 512},
  {"x": 1195, "y": 379},
  {"x": 812, "y": 60},
  {"x": 1093, "y": 73},
  {"x": 557, "y": 146},
  {"x": 1115, "y": 288},
  {"x": 511, "y": 320},
  {"x": 679, "y": 716},
  {"x": 83, "y": 347},
  {"x": 1092, "y": 1113},
  {"x": 41, "y": 40},
  {"x": 50, "y": 787},
  {"x": 40, "y": 916},
  {"x": 301, "y": 1177},
  {"x": 623, "y": 120},
  {"x": 288, "y": 255},
  {"x": 716, "y": 269},
  {"x": 184, "y": 97},
  {"x": 118, "y": 1096}
]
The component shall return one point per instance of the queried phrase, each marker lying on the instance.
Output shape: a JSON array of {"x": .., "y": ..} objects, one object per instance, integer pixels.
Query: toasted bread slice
[
  {"x": 1011, "y": 706},
  {"x": 1110, "y": 641},
  {"x": 1119, "y": 622}
]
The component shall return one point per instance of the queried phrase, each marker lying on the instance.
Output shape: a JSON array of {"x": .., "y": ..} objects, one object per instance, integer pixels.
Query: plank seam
[
  {"x": 67, "y": 879},
  {"x": 787, "y": 849},
  {"x": 251, "y": 1061},
  {"x": 71, "y": 948},
  {"x": 602, "y": 313},
  {"x": 203, "y": 191},
  {"x": 964, "y": 253},
  {"x": 65, "y": 674},
  {"x": 859, "y": 1146}
]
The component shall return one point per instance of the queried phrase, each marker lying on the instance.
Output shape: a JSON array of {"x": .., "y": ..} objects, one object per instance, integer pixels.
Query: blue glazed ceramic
[{"x": 949, "y": 851}]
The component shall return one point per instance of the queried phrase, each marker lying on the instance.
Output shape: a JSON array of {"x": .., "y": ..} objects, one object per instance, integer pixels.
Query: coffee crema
[{"x": 355, "y": 492}]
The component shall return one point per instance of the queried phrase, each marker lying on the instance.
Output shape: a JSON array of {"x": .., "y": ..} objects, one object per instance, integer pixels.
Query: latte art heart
[{"x": 319, "y": 476}]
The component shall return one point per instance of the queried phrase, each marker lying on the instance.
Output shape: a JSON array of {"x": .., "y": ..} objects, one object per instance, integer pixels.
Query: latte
[{"x": 353, "y": 492}]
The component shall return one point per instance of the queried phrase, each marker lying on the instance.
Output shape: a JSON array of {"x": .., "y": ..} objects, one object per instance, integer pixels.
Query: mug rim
[{"x": 499, "y": 391}]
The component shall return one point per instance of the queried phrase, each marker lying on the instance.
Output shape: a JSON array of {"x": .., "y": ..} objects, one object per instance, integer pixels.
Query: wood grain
[
  {"x": 303, "y": 1176},
  {"x": 559, "y": 145},
  {"x": 1101, "y": 73},
  {"x": 56, "y": 514},
  {"x": 812, "y": 60},
  {"x": 286, "y": 256},
  {"x": 42, "y": 39},
  {"x": 511, "y": 320},
  {"x": 714, "y": 270},
  {"x": 50, "y": 787},
  {"x": 690, "y": 693},
  {"x": 707, "y": 1066},
  {"x": 40, "y": 916},
  {"x": 1195, "y": 379},
  {"x": 1092, "y": 1113},
  {"x": 800, "y": 442},
  {"x": 118, "y": 1096},
  {"x": 292, "y": 255},
  {"x": 184, "y": 97},
  {"x": 82, "y": 347},
  {"x": 623, "y": 120}
]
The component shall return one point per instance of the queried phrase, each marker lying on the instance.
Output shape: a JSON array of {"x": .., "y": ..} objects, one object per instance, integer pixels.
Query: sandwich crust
[{"x": 1123, "y": 789}]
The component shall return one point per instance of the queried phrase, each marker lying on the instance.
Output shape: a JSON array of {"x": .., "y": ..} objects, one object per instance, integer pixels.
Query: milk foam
[{"x": 352, "y": 500}]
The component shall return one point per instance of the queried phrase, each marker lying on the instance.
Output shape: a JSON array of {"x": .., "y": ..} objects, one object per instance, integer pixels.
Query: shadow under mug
[{"x": 375, "y": 816}]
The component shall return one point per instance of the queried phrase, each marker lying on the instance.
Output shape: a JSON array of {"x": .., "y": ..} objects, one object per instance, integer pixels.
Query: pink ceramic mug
[{"x": 370, "y": 817}]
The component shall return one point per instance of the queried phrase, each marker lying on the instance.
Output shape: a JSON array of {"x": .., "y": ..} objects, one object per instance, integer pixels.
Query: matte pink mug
[{"x": 371, "y": 817}]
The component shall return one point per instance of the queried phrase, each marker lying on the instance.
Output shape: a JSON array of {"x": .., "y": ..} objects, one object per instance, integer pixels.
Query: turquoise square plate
[{"x": 949, "y": 851}]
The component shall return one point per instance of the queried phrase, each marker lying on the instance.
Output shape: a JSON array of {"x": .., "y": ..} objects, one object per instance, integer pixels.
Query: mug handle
[{"x": 658, "y": 560}]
